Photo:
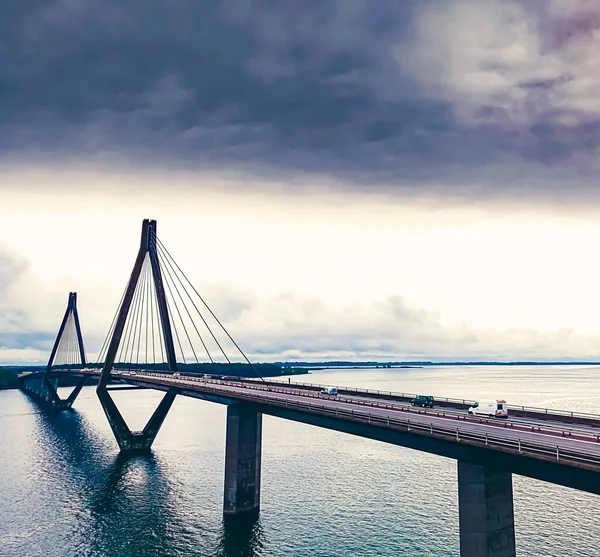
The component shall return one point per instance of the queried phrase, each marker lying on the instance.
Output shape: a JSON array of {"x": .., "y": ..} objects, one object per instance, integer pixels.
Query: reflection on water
[
  {"x": 130, "y": 510},
  {"x": 65, "y": 491},
  {"x": 241, "y": 536},
  {"x": 113, "y": 505}
]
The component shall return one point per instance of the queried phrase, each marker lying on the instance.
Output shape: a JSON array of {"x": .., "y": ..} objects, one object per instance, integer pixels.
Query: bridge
[{"x": 164, "y": 335}]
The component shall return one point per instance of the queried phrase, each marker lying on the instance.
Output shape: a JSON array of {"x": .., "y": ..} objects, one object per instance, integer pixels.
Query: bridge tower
[
  {"x": 67, "y": 354},
  {"x": 127, "y": 439}
]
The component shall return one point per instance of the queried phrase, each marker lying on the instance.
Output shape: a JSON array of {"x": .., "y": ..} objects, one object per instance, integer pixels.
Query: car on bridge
[
  {"x": 329, "y": 391},
  {"x": 424, "y": 401}
]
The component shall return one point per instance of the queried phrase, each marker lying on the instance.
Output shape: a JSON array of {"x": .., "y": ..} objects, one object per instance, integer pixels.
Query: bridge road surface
[
  {"x": 554, "y": 417},
  {"x": 553, "y": 420},
  {"x": 457, "y": 413},
  {"x": 233, "y": 391},
  {"x": 555, "y": 428}
]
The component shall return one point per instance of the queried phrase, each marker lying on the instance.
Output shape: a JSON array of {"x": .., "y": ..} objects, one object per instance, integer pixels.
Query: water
[{"x": 64, "y": 492}]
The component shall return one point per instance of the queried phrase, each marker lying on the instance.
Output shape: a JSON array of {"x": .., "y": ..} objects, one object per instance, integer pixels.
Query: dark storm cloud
[{"x": 337, "y": 86}]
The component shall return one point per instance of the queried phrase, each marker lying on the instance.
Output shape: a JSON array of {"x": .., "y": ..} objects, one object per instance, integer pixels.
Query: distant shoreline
[
  {"x": 9, "y": 375},
  {"x": 295, "y": 368},
  {"x": 9, "y": 380},
  {"x": 353, "y": 365}
]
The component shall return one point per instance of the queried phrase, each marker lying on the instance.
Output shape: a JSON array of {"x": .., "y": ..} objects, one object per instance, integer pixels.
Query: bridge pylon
[
  {"x": 67, "y": 354},
  {"x": 128, "y": 440}
]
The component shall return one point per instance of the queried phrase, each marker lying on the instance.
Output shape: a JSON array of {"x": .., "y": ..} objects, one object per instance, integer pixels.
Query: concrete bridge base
[
  {"x": 39, "y": 389},
  {"x": 486, "y": 516},
  {"x": 135, "y": 441},
  {"x": 67, "y": 403},
  {"x": 242, "y": 460},
  {"x": 45, "y": 392}
]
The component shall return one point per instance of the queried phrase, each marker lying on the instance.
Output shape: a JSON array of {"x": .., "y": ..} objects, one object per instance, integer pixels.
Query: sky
[{"x": 340, "y": 179}]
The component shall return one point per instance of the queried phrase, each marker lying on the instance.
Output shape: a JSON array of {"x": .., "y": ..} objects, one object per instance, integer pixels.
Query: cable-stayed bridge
[{"x": 164, "y": 336}]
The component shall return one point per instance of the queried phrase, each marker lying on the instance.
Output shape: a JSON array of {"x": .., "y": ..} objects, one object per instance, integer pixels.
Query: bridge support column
[
  {"x": 135, "y": 441},
  {"x": 58, "y": 403},
  {"x": 53, "y": 385},
  {"x": 242, "y": 460},
  {"x": 486, "y": 517}
]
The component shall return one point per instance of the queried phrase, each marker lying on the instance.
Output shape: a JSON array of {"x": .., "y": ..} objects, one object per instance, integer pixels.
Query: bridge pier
[
  {"x": 37, "y": 389},
  {"x": 68, "y": 403},
  {"x": 45, "y": 392},
  {"x": 135, "y": 441},
  {"x": 242, "y": 460},
  {"x": 50, "y": 387},
  {"x": 486, "y": 516},
  {"x": 58, "y": 403}
]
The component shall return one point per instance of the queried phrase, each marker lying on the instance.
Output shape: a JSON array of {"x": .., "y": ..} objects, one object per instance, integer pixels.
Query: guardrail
[
  {"x": 495, "y": 441},
  {"x": 448, "y": 400}
]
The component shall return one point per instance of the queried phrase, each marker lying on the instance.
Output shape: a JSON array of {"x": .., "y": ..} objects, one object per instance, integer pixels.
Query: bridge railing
[
  {"x": 540, "y": 448},
  {"x": 561, "y": 431},
  {"x": 448, "y": 400}
]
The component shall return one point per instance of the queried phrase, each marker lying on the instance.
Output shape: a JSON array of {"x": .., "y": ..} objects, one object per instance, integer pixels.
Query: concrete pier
[
  {"x": 242, "y": 460},
  {"x": 486, "y": 517},
  {"x": 135, "y": 441}
]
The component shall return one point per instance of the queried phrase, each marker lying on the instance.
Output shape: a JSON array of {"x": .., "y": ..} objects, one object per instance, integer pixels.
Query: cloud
[
  {"x": 290, "y": 325},
  {"x": 17, "y": 330},
  {"x": 446, "y": 99},
  {"x": 11, "y": 268},
  {"x": 526, "y": 76},
  {"x": 432, "y": 94}
]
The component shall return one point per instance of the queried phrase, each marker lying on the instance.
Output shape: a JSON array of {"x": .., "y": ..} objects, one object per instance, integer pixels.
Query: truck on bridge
[
  {"x": 329, "y": 391},
  {"x": 490, "y": 409}
]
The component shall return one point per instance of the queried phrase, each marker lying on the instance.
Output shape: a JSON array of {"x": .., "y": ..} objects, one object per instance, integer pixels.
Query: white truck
[
  {"x": 329, "y": 391},
  {"x": 490, "y": 409}
]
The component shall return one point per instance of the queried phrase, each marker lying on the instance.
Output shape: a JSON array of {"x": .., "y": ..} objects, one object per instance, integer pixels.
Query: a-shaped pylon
[
  {"x": 127, "y": 439},
  {"x": 68, "y": 355}
]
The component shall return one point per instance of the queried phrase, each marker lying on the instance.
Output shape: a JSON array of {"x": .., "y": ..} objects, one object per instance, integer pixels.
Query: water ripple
[{"x": 65, "y": 492}]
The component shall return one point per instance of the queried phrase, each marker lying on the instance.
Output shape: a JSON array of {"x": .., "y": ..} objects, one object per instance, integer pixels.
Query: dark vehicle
[{"x": 423, "y": 401}]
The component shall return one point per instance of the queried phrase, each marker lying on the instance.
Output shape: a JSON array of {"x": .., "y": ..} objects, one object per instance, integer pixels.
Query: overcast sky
[{"x": 340, "y": 179}]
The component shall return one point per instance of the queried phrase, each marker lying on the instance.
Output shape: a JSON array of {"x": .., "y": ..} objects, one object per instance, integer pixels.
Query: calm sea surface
[{"x": 65, "y": 492}]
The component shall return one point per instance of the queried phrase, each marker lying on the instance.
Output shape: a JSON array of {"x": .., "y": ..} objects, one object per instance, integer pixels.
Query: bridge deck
[
  {"x": 585, "y": 439},
  {"x": 564, "y": 445}
]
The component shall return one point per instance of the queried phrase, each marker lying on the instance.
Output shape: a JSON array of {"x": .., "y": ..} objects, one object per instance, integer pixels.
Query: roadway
[
  {"x": 549, "y": 427},
  {"x": 531, "y": 414},
  {"x": 582, "y": 440},
  {"x": 552, "y": 424}
]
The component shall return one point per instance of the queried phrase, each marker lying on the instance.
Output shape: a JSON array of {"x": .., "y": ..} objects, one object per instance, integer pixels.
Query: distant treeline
[
  {"x": 8, "y": 379},
  {"x": 237, "y": 369},
  {"x": 426, "y": 363},
  {"x": 292, "y": 365},
  {"x": 233, "y": 369}
]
